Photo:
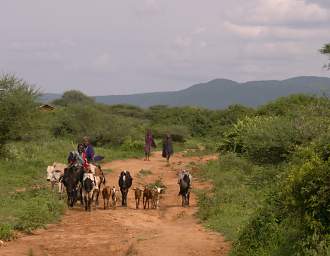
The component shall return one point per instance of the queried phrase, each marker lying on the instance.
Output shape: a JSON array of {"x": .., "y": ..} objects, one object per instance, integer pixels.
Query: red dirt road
[{"x": 168, "y": 231}]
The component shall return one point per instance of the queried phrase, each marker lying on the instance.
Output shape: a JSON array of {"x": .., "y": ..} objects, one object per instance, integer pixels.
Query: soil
[{"x": 168, "y": 231}]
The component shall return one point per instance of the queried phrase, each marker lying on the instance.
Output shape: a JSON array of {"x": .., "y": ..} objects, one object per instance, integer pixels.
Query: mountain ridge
[{"x": 220, "y": 93}]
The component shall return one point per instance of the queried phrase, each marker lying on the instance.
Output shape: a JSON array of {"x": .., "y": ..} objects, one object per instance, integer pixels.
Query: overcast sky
[{"x": 127, "y": 46}]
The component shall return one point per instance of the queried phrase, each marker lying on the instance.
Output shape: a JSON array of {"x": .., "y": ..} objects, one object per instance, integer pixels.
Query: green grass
[
  {"x": 107, "y": 170},
  {"x": 143, "y": 173},
  {"x": 116, "y": 153},
  {"x": 157, "y": 183},
  {"x": 238, "y": 190}
]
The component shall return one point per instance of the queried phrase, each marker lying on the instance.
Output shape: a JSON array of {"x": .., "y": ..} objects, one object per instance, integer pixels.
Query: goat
[
  {"x": 106, "y": 193},
  {"x": 137, "y": 194},
  {"x": 147, "y": 196},
  {"x": 114, "y": 196},
  {"x": 124, "y": 182},
  {"x": 156, "y": 196}
]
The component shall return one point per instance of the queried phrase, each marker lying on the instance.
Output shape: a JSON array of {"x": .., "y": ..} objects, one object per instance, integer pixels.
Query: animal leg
[{"x": 86, "y": 203}]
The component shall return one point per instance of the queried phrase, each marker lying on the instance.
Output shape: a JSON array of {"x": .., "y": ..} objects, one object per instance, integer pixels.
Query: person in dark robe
[
  {"x": 89, "y": 150},
  {"x": 149, "y": 144},
  {"x": 167, "y": 147}
]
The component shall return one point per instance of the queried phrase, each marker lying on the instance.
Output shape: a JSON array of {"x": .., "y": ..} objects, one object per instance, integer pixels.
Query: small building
[{"x": 46, "y": 107}]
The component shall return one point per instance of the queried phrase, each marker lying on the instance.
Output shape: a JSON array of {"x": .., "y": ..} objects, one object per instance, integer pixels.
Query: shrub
[{"x": 295, "y": 218}]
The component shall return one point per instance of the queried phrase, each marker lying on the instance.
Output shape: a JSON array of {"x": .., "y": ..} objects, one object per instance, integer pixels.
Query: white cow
[
  {"x": 90, "y": 190},
  {"x": 54, "y": 174}
]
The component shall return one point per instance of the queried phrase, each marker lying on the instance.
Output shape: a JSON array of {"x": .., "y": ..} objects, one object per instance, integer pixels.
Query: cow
[
  {"x": 54, "y": 175},
  {"x": 71, "y": 178},
  {"x": 125, "y": 182},
  {"x": 88, "y": 187},
  {"x": 90, "y": 193}
]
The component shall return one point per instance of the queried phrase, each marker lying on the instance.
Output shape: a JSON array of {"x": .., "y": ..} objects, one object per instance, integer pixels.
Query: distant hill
[{"x": 220, "y": 93}]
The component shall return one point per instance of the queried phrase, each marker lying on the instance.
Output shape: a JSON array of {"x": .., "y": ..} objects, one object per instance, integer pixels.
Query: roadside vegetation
[{"x": 271, "y": 184}]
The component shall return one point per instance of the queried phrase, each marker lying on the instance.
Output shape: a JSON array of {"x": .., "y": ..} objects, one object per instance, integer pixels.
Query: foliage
[
  {"x": 271, "y": 139},
  {"x": 74, "y": 97},
  {"x": 290, "y": 105},
  {"x": 238, "y": 189},
  {"x": 17, "y": 108},
  {"x": 295, "y": 218},
  {"x": 326, "y": 50}
]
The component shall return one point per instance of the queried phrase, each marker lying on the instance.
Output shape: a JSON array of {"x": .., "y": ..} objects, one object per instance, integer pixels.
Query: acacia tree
[{"x": 326, "y": 50}]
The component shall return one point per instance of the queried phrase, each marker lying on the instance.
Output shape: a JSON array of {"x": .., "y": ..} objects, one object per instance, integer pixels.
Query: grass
[
  {"x": 157, "y": 183},
  {"x": 107, "y": 170},
  {"x": 143, "y": 173},
  {"x": 238, "y": 190}
]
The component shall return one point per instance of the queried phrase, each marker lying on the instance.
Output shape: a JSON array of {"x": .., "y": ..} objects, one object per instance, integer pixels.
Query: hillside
[{"x": 220, "y": 93}]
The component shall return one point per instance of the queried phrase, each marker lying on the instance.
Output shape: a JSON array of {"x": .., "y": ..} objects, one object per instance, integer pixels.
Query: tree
[
  {"x": 73, "y": 97},
  {"x": 326, "y": 50},
  {"x": 17, "y": 107}
]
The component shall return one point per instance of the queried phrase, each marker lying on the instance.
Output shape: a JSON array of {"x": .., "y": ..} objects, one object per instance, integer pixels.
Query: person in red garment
[
  {"x": 79, "y": 158},
  {"x": 149, "y": 143}
]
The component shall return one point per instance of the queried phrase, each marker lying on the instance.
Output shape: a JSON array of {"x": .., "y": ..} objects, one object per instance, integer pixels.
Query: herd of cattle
[{"x": 87, "y": 186}]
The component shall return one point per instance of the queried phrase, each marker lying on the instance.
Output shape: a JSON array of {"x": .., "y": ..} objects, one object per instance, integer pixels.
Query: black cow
[
  {"x": 125, "y": 182},
  {"x": 185, "y": 189},
  {"x": 71, "y": 178}
]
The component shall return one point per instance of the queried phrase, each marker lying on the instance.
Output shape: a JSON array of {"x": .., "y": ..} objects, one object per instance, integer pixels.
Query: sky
[{"x": 107, "y": 47}]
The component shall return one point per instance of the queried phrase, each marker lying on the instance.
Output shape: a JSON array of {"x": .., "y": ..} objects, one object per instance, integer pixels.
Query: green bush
[
  {"x": 295, "y": 218},
  {"x": 17, "y": 108},
  {"x": 263, "y": 139},
  {"x": 132, "y": 145}
]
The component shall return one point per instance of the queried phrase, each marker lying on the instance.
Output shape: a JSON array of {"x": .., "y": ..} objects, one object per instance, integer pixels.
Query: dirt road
[{"x": 168, "y": 231}]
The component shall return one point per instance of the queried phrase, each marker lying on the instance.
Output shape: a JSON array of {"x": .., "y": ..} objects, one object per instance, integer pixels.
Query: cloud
[
  {"x": 278, "y": 13},
  {"x": 274, "y": 32},
  {"x": 153, "y": 45},
  {"x": 102, "y": 63},
  {"x": 323, "y": 3},
  {"x": 148, "y": 7}
]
